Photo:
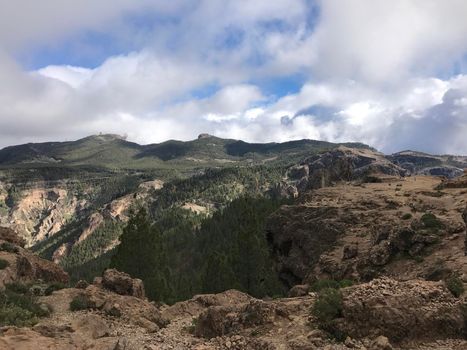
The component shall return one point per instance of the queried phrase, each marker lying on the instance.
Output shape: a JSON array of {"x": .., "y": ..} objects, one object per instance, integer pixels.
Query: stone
[
  {"x": 381, "y": 343},
  {"x": 350, "y": 252},
  {"x": 122, "y": 283},
  {"x": 299, "y": 290}
]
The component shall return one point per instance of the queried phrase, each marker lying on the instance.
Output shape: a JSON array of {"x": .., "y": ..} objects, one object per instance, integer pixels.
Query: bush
[
  {"x": 26, "y": 302},
  {"x": 324, "y": 284},
  {"x": 407, "y": 216},
  {"x": 81, "y": 302},
  {"x": 8, "y": 247},
  {"x": 328, "y": 306},
  {"x": 430, "y": 221},
  {"x": 455, "y": 286},
  {"x": 18, "y": 307},
  {"x": 54, "y": 287},
  {"x": 11, "y": 315},
  {"x": 17, "y": 287},
  {"x": 3, "y": 264}
]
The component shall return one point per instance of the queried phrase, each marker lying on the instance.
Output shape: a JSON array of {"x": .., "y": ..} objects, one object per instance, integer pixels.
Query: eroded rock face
[
  {"x": 221, "y": 320},
  {"x": 300, "y": 234},
  {"x": 24, "y": 266},
  {"x": 402, "y": 311},
  {"x": 41, "y": 212},
  {"x": 122, "y": 283},
  {"x": 398, "y": 227},
  {"x": 341, "y": 164},
  {"x": 8, "y": 235}
]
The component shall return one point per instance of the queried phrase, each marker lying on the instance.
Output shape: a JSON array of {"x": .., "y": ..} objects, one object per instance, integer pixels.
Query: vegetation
[
  {"x": 3, "y": 264},
  {"x": 94, "y": 245},
  {"x": 430, "y": 221},
  {"x": 81, "y": 302},
  {"x": 179, "y": 256},
  {"x": 54, "y": 287},
  {"x": 406, "y": 216},
  {"x": 326, "y": 309},
  {"x": 19, "y": 307},
  {"x": 455, "y": 286},
  {"x": 326, "y": 284}
]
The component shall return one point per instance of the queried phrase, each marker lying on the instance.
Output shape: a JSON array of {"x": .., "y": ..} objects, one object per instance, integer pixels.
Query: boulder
[
  {"x": 217, "y": 321},
  {"x": 401, "y": 311},
  {"x": 381, "y": 343},
  {"x": 122, "y": 283},
  {"x": 300, "y": 290},
  {"x": 350, "y": 252}
]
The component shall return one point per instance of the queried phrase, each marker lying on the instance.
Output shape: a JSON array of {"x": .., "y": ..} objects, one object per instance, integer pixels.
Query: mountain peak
[
  {"x": 204, "y": 136},
  {"x": 106, "y": 137}
]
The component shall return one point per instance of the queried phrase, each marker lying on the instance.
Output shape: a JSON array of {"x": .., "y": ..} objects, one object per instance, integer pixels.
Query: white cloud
[{"x": 375, "y": 71}]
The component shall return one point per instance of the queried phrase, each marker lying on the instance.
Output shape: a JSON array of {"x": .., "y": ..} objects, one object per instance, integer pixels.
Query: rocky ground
[
  {"x": 404, "y": 227},
  {"x": 113, "y": 313}
]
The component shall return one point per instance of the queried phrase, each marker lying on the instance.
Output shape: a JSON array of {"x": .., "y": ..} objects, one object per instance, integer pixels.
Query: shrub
[
  {"x": 53, "y": 287},
  {"x": 17, "y": 287},
  {"x": 81, "y": 302},
  {"x": 328, "y": 306},
  {"x": 407, "y": 216},
  {"x": 11, "y": 315},
  {"x": 325, "y": 283},
  {"x": 326, "y": 309},
  {"x": 26, "y": 302},
  {"x": 8, "y": 247},
  {"x": 18, "y": 307},
  {"x": 3, "y": 264},
  {"x": 455, "y": 286},
  {"x": 430, "y": 221},
  {"x": 345, "y": 283}
]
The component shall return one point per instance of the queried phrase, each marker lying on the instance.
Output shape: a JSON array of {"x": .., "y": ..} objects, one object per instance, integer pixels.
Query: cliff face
[
  {"x": 400, "y": 227},
  {"x": 40, "y": 210}
]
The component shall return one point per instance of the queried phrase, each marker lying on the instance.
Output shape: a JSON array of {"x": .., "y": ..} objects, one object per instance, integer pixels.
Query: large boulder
[
  {"x": 122, "y": 283},
  {"x": 25, "y": 266},
  {"x": 221, "y": 320},
  {"x": 401, "y": 311}
]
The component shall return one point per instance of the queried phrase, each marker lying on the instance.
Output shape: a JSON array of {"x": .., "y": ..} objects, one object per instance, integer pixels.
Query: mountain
[
  {"x": 341, "y": 250},
  {"x": 114, "y": 152}
]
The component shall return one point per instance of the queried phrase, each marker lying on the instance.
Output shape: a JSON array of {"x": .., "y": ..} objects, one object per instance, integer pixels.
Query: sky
[{"x": 392, "y": 74}]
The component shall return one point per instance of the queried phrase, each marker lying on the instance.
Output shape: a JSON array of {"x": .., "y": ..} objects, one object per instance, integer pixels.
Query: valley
[{"x": 238, "y": 245}]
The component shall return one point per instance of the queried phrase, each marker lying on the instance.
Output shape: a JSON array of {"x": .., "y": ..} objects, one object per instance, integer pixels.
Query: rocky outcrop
[
  {"x": 418, "y": 163},
  {"x": 398, "y": 227},
  {"x": 24, "y": 266},
  {"x": 299, "y": 235},
  {"x": 122, "y": 283},
  {"x": 41, "y": 212},
  {"x": 459, "y": 182},
  {"x": 221, "y": 320},
  {"x": 340, "y": 164},
  {"x": 10, "y": 236},
  {"x": 401, "y": 311}
]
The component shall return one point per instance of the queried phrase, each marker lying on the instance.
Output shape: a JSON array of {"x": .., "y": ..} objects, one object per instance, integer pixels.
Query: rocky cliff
[{"x": 401, "y": 227}]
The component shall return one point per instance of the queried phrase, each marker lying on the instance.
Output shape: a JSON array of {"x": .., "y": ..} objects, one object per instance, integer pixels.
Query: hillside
[
  {"x": 71, "y": 200},
  {"x": 361, "y": 272},
  {"x": 114, "y": 152}
]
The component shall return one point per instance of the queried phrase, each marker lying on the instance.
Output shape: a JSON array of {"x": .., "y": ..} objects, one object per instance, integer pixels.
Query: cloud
[
  {"x": 380, "y": 41},
  {"x": 387, "y": 73}
]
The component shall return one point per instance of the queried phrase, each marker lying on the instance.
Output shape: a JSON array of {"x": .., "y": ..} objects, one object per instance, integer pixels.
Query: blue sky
[{"x": 390, "y": 74}]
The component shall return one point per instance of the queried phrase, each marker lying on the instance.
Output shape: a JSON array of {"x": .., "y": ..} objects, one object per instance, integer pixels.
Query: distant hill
[{"x": 113, "y": 151}]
